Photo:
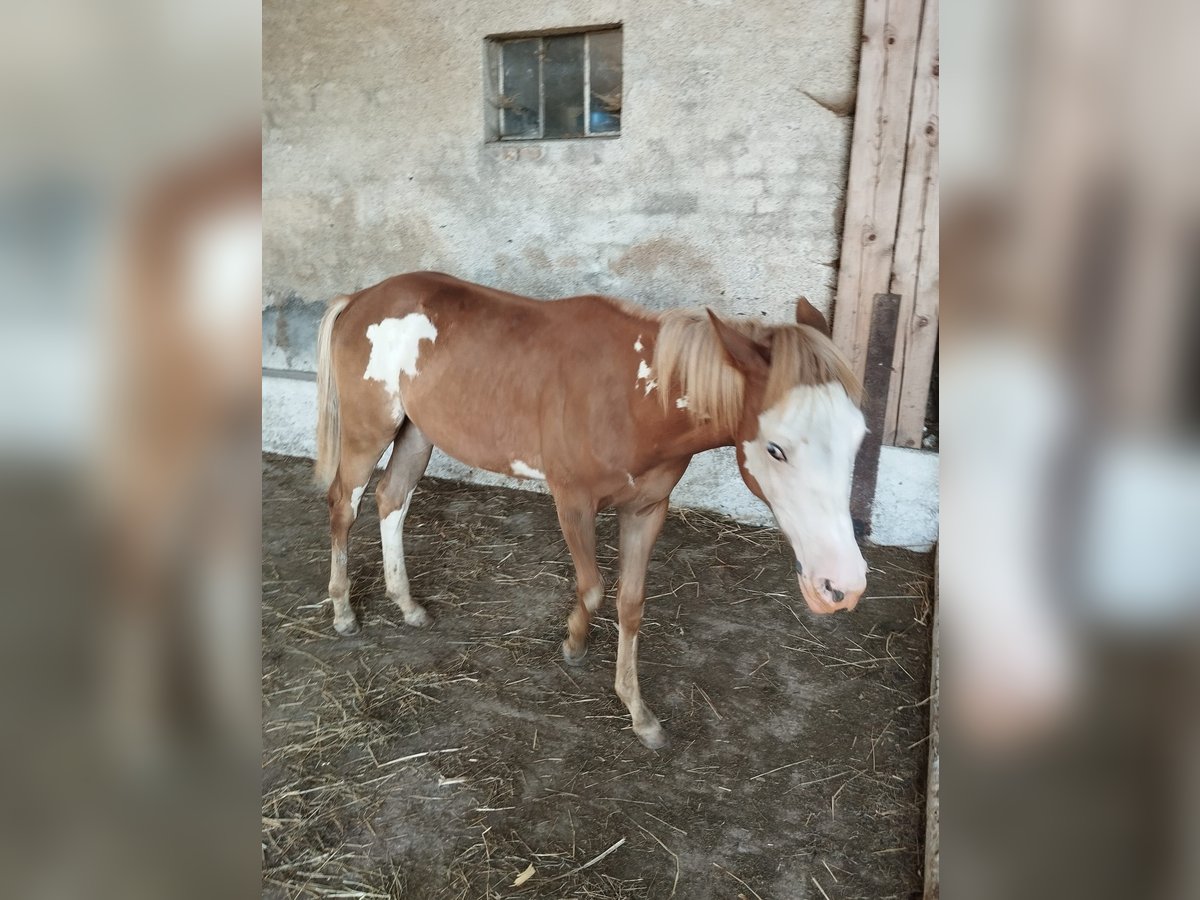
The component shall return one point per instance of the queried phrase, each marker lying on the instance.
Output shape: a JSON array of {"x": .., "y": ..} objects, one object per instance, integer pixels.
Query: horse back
[{"x": 505, "y": 382}]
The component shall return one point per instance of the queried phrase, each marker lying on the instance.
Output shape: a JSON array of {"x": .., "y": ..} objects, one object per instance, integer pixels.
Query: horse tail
[{"x": 329, "y": 447}]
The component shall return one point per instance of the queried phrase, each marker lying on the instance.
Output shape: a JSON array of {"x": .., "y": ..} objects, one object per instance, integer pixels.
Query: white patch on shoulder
[
  {"x": 522, "y": 470},
  {"x": 645, "y": 374},
  {"x": 681, "y": 403},
  {"x": 356, "y": 498},
  {"x": 632, "y": 483},
  {"x": 637, "y": 345}
]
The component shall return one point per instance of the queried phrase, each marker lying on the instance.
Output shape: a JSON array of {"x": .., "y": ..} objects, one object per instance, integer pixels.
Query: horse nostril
[
  {"x": 838, "y": 596},
  {"x": 799, "y": 568}
]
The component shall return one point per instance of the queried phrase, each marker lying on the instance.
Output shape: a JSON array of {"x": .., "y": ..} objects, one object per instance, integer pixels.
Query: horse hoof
[
  {"x": 573, "y": 658},
  {"x": 418, "y": 618},
  {"x": 347, "y": 628},
  {"x": 655, "y": 738}
]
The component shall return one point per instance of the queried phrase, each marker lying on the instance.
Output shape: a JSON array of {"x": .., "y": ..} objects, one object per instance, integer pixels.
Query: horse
[{"x": 606, "y": 403}]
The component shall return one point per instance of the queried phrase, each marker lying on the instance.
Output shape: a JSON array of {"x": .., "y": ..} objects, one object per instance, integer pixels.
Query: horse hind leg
[
  {"x": 410, "y": 455},
  {"x": 345, "y": 493},
  {"x": 355, "y": 466}
]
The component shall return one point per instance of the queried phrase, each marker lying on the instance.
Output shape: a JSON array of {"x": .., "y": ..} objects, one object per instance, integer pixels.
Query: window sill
[{"x": 544, "y": 140}]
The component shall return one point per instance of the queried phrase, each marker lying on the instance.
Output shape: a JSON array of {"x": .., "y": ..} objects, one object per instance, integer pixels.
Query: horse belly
[{"x": 497, "y": 434}]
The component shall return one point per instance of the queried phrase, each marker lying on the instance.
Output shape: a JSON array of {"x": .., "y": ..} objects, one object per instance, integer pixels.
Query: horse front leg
[
  {"x": 640, "y": 526},
  {"x": 577, "y": 517}
]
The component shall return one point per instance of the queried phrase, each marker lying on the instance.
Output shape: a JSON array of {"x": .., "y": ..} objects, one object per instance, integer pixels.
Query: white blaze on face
[
  {"x": 524, "y": 470},
  {"x": 395, "y": 346},
  {"x": 818, "y": 429}
]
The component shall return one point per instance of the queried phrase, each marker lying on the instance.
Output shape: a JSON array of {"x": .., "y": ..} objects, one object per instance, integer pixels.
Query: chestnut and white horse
[{"x": 605, "y": 402}]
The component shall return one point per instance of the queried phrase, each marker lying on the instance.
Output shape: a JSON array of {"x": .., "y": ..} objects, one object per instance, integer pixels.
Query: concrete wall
[{"x": 724, "y": 188}]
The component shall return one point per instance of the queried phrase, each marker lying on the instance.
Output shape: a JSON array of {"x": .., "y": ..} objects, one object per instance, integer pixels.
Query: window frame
[{"x": 494, "y": 52}]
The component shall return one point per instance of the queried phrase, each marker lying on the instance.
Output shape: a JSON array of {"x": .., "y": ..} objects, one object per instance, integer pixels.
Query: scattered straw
[
  {"x": 778, "y": 769},
  {"x": 595, "y": 859},
  {"x": 739, "y": 881},
  {"x": 675, "y": 883},
  {"x": 400, "y": 759}
]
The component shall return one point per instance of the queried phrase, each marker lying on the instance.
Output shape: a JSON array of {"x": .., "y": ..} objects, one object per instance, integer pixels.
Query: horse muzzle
[{"x": 825, "y": 596}]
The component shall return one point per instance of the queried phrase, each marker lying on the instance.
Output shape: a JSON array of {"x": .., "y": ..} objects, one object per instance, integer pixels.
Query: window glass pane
[
  {"x": 519, "y": 88},
  {"x": 562, "y": 74},
  {"x": 605, "y": 53}
]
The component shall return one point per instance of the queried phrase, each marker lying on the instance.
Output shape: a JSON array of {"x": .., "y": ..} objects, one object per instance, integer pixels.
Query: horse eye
[{"x": 776, "y": 452}]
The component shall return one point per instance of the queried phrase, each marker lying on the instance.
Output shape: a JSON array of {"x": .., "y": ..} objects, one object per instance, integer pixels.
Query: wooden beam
[
  {"x": 880, "y": 347},
  {"x": 889, "y": 47},
  {"x": 915, "y": 261},
  {"x": 922, "y": 337}
]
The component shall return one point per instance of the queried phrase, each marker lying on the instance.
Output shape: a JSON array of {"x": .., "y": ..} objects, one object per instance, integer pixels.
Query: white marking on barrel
[{"x": 524, "y": 470}]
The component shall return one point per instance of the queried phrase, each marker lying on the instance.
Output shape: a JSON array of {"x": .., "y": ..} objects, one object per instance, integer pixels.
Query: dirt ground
[{"x": 444, "y": 762}]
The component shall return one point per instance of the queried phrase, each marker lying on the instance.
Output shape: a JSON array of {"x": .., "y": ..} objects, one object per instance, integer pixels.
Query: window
[{"x": 556, "y": 85}]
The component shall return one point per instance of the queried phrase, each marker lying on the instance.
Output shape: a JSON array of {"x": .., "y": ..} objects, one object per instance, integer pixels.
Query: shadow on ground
[{"x": 443, "y": 763}]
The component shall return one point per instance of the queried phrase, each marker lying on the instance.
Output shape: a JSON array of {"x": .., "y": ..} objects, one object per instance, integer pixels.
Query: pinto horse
[{"x": 606, "y": 403}]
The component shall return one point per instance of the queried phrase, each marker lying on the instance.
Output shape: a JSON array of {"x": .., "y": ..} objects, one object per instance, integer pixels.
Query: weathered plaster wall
[{"x": 725, "y": 187}]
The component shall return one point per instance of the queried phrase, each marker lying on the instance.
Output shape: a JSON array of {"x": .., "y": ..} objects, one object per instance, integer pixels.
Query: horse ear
[
  {"x": 807, "y": 314},
  {"x": 747, "y": 356}
]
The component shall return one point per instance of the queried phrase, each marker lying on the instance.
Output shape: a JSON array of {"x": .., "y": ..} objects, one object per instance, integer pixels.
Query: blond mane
[{"x": 688, "y": 354}]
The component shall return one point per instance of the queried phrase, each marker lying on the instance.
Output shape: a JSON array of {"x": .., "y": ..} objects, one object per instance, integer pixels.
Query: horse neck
[
  {"x": 696, "y": 437},
  {"x": 679, "y": 435}
]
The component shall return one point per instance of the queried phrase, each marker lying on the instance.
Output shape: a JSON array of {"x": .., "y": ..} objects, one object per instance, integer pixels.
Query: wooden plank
[
  {"x": 922, "y": 336},
  {"x": 915, "y": 266},
  {"x": 889, "y": 47},
  {"x": 915, "y": 261}
]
